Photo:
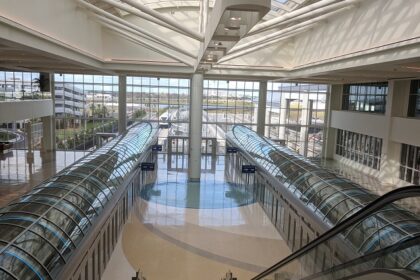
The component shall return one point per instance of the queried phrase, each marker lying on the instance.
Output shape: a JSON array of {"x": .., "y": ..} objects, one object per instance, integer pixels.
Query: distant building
[{"x": 69, "y": 101}]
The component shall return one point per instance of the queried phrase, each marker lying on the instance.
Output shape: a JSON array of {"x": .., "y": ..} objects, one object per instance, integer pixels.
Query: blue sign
[
  {"x": 147, "y": 166},
  {"x": 248, "y": 169},
  {"x": 157, "y": 148},
  {"x": 231, "y": 150}
]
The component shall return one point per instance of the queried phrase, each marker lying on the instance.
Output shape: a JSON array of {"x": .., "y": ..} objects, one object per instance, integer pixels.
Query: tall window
[
  {"x": 295, "y": 116},
  {"x": 85, "y": 105},
  {"x": 414, "y": 101},
  {"x": 365, "y": 97},
  {"x": 226, "y": 103},
  {"x": 19, "y": 85},
  {"x": 360, "y": 148},
  {"x": 410, "y": 164},
  {"x": 164, "y": 101}
]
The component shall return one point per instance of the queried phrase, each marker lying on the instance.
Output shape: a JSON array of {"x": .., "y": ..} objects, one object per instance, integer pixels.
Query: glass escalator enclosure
[
  {"x": 318, "y": 188},
  {"x": 329, "y": 196},
  {"x": 40, "y": 230},
  {"x": 384, "y": 237}
]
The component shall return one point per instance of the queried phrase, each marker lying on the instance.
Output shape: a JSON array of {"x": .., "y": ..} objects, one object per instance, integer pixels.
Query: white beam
[
  {"x": 205, "y": 15},
  {"x": 165, "y": 19},
  {"x": 262, "y": 26},
  {"x": 145, "y": 44},
  {"x": 313, "y": 13},
  {"x": 292, "y": 28},
  {"x": 270, "y": 37},
  {"x": 266, "y": 44},
  {"x": 160, "y": 42},
  {"x": 136, "y": 12},
  {"x": 133, "y": 26},
  {"x": 317, "y": 12}
]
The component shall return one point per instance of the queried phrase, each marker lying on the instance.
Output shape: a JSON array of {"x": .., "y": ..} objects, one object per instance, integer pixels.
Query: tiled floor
[
  {"x": 19, "y": 173},
  {"x": 179, "y": 230}
]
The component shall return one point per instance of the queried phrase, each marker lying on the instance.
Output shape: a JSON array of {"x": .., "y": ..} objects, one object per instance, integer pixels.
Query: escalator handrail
[
  {"x": 371, "y": 208},
  {"x": 401, "y": 245}
]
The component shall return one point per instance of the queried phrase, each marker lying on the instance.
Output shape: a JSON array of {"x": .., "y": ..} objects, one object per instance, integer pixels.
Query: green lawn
[{"x": 70, "y": 131}]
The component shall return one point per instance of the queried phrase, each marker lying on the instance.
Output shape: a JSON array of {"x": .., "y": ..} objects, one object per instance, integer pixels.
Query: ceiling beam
[
  {"x": 111, "y": 19},
  {"x": 136, "y": 12},
  {"x": 275, "y": 21},
  {"x": 147, "y": 45},
  {"x": 151, "y": 12}
]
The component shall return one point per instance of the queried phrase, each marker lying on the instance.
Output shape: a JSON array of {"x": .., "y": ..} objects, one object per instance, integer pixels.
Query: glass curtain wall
[
  {"x": 160, "y": 100},
  {"x": 226, "y": 103},
  {"x": 85, "y": 105},
  {"x": 21, "y": 86},
  {"x": 295, "y": 116},
  {"x": 365, "y": 97}
]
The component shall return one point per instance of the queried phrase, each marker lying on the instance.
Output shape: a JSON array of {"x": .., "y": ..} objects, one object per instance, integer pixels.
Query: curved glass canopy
[
  {"x": 331, "y": 197},
  {"x": 40, "y": 230}
]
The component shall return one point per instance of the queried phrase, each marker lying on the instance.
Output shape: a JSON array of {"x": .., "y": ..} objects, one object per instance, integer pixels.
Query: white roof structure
[{"x": 329, "y": 41}]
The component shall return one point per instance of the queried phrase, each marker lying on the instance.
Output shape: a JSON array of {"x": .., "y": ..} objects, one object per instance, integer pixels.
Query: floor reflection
[
  {"x": 20, "y": 172},
  {"x": 181, "y": 230}
]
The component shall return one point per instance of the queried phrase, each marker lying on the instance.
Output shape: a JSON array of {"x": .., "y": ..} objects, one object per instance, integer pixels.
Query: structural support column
[
  {"x": 48, "y": 122},
  {"x": 396, "y": 106},
  {"x": 196, "y": 124},
  {"x": 122, "y": 104},
  {"x": 305, "y": 121},
  {"x": 262, "y": 108},
  {"x": 48, "y": 139},
  {"x": 284, "y": 110},
  {"x": 334, "y": 97}
]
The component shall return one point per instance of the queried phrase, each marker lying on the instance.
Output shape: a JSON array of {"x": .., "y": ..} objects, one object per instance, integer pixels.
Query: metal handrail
[{"x": 371, "y": 208}]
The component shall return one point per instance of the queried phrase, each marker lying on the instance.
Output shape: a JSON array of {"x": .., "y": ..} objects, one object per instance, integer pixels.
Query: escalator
[{"x": 381, "y": 241}]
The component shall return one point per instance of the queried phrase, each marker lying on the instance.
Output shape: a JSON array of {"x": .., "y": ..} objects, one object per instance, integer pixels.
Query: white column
[
  {"x": 196, "y": 124},
  {"x": 122, "y": 104},
  {"x": 396, "y": 106},
  {"x": 262, "y": 108},
  {"x": 48, "y": 123},
  {"x": 334, "y": 97},
  {"x": 305, "y": 121},
  {"x": 284, "y": 108},
  {"x": 48, "y": 139},
  {"x": 267, "y": 122},
  {"x": 28, "y": 129}
]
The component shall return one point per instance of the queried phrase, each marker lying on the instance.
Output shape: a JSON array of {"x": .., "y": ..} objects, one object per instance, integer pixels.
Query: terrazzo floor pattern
[{"x": 180, "y": 230}]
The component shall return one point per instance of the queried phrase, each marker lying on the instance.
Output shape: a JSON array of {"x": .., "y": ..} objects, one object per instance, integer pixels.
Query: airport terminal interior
[{"x": 209, "y": 139}]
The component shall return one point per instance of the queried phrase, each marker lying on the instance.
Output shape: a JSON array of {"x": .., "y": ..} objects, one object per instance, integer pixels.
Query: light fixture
[
  {"x": 233, "y": 24},
  {"x": 211, "y": 57}
]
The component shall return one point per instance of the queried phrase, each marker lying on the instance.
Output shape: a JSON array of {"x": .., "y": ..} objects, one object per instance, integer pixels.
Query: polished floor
[
  {"x": 181, "y": 230},
  {"x": 20, "y": 171}
]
